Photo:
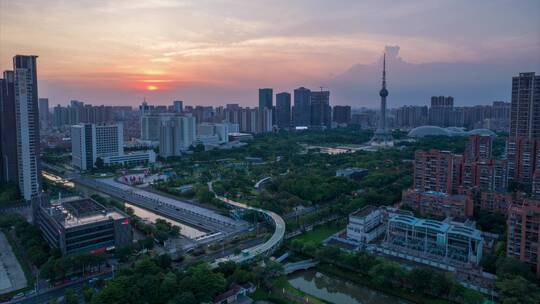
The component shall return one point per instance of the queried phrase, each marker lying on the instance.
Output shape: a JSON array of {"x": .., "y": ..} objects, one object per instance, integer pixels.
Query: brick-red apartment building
[
  {"x": 457, "y": 179},
  {"x": 523, "y": 226},
  {"x": 439, "y": 204}
]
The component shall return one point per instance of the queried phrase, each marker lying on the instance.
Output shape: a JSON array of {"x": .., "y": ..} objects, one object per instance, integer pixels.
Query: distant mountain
[{"x": 409, "y": 83}]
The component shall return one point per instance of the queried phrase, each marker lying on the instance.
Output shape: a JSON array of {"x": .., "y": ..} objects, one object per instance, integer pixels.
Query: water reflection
[
  {"x": 337, "y": 290},
  {"x": 185, "y": 230}
]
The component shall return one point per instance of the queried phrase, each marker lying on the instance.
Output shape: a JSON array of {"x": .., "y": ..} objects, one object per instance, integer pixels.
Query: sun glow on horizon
[{"x": 152, "y": 88}]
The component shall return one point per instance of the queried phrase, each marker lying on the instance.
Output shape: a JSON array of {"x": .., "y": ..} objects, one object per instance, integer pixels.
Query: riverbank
[
  {"x": 418, "y": 285},
  {"x": 335, "y": 289},
  {"x": 365, "y": 281}
]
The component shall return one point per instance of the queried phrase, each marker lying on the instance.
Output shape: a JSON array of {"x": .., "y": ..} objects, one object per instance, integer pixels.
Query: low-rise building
[
  {"x": 208, "y": 141},
  {"x": 76, "y": 225},
  {"x": 438, "y": 204},
  {"x": 495, "y": 201},
  {"x": 221, "y": 130},
  {"x": 132, "y": 158},
  {"x": 236, "y": 294},
  {"x": 446, "y": 244},
  {"x": 365, "y": 225},
  {"x": 240, "y": 136},
  {"x": 354, "y": 173},
  {"x": 443, "y": 241}
]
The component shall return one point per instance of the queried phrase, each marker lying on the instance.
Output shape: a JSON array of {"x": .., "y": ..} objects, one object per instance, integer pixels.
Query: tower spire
[
  {"x": 382, "y": 136},
  {"x": 384, "y": 72}
]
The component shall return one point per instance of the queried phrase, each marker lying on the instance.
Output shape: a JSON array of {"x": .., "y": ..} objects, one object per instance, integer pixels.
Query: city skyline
[{"x": 213, "y": 57}]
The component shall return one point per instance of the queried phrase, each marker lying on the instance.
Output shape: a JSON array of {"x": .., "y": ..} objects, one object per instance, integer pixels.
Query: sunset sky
[{"x": 217, "y": 52}]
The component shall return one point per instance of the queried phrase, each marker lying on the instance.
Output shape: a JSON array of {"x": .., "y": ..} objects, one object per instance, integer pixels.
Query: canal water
[
  {"x": 337, "y": 290},
  {"x": 185, "y": 230}
]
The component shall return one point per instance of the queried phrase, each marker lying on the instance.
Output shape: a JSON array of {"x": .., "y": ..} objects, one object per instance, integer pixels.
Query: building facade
[
  {"x": 341, "y": 115},
  {"x": 221, "y": 130},
  {"x": 90, "y": 142},
  {"x": 8, "y": 138},
  {"x": 525, "y": 111},
  {"x": 27, "y": 125},
  {"x": 81, "y": 225},
  {"x": 151, "y": 125},
  {"x": 266, "y": 98},
  {"x": 44, "y": 113},
  {"x": 283, "y": 110},
  {"x": 478, "y": 148},
  {"x": 79, "y": 112},
  {"x": 522, "y": 154},
  {"x": 321, "y": 112},
  {"x": 441, "y": 110},
  {"x": 366, "y": 225},
  {"x": 436, "y": 171},
  {"x": 301, "y": 111},
  {"x": 177, "y": 135},
  {"x": 523, "y": 235},
  {"x": 408, "y": 117},
  {"x": 445, "y": 241},
  {"x": 439, "y": 204},
  {"x": 178, "y": 106}
]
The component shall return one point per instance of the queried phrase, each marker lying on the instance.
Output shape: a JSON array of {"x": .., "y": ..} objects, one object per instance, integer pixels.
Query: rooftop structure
[
  {"x": 447, "y": 241},
  {"x": 365, "y": 225},
  {"x": 352, "y": 172},
  {"x": 423, "y": 131},
  {"x": 438, "y": 204},
  {"x": 240, "y": 136},
  {"x": 78, "y": 224}
]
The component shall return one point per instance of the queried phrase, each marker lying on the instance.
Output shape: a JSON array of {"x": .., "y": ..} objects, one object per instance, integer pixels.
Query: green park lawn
[{"x": 320, "y": 233}]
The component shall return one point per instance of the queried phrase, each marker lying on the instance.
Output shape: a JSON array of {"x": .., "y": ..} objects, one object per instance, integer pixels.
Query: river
[{"x": 337, "y": 290}]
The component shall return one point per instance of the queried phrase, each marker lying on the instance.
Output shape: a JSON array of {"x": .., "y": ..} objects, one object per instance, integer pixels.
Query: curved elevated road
[
  {"x": 262, "y": 181},
  {"x": 267, "y": 247}
]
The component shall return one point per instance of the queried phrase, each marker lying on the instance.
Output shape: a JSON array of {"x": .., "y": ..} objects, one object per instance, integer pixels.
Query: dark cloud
[{"x": 392, "y": 52}]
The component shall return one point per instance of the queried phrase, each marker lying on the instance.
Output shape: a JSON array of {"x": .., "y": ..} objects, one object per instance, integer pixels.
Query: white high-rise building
[
  {"x": 82, "y": 150},
  {"x": 177, "y": 135},
  {"x": 27, "y": 125},
  {"x": 90, "y": 141},
  {"x": 266, "y": 120},
  {"x": 166, "y": 139},
  {"x": 151, "y": 125},
  {"x": 210, "y": 129}
]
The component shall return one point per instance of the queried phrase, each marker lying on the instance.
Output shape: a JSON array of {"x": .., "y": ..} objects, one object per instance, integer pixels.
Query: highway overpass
[{"x": 267, "y": 247}]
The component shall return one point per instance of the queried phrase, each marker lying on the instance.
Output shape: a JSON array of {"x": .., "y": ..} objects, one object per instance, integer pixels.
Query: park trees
[{"x": 516, "y": 289}]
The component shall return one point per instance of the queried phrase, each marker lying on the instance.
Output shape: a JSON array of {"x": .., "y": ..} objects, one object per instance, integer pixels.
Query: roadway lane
[
  {"x": 178, "y": 210},
  {"x": 267, "y": 247},
  {"x": 50, "y": 294}
]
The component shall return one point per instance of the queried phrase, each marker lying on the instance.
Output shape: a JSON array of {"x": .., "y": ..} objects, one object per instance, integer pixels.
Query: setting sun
[{"x": 151, "y": 88}]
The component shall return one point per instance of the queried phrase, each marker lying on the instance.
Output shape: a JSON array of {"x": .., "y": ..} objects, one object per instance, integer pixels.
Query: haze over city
[
  {"x": 238, "y": 152},
  {"x": 217, "y": 52}
]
